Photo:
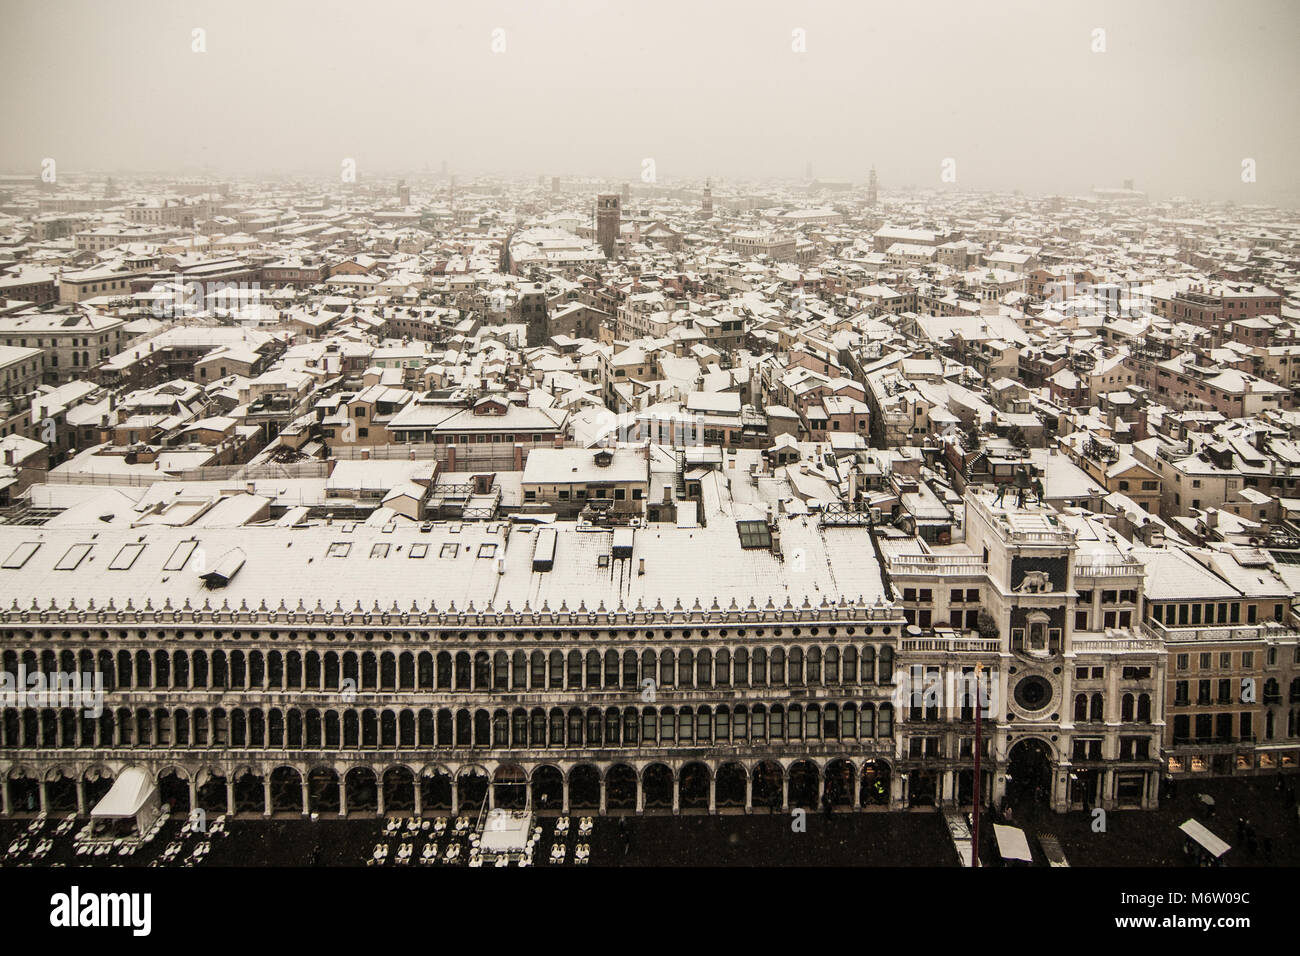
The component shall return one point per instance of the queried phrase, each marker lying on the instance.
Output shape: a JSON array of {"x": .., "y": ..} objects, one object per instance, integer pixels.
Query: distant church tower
[
  {"x": 706, "y": 206},
  {"x": 607, "y": 222},
  {"x": 403, "y": 193},
  {"x": 627, "y": 194},
  {"x": 871, "y": 189},
  {"x": 506, "y": 264}
]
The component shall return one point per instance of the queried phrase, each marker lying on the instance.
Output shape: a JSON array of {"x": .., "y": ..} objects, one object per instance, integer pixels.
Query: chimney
[
  {"x": 640, "y": 569},
  {"x": 9, "y": 456},
  {"x": 250, "y": 488}
]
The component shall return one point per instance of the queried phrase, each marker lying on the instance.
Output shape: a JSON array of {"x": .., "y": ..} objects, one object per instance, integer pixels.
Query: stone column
[
  {"x": 194, "y": 793},
  {"x": 379, "y": 795},
  {"x": 266, "y": 795},
  {"x": 343, "y": 796},
  {"x": 81, "y": 797},
  {"x": 455, "y": 796},
  {"x": 230, "y": 797},
  {"x": 785, "y": 791},
  {"x": 677, "y": 794},
  {"x": 640, "y": 795},
  {"x": 857, "y": 789},
  {"x": 419, "y": 799},
  {"x": 306, "y": 798},
  {"x": 602, "y": 797},
  {"x": 749, "y": 793},
  {"x": 565, "y": 783},
  {"x": 713, "y": 793}
]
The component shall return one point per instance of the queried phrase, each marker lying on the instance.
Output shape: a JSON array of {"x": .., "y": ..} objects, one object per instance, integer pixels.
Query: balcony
[
  {"x": 1209, "y": 634},
  {"x": 938, "y": 565},
  {"x": 1028, "y": 525},
  {"x": 1108, "y": 569},
  {"x": 1122, "y": 640},
  {"x": 952, "y": 642}
]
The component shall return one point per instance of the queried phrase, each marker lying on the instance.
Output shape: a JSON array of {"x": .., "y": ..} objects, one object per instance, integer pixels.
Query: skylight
[
  {"x": 126, "y": 557},
  {"x": 18, "y": 557},
  {"x": 180, "y": 555},
  {"x": 74, "y": 556},
  {"x": 754, "y": 534}
]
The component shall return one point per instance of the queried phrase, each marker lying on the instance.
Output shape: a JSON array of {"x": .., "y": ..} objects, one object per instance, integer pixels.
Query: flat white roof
[
  {"x": 1012, "y": 843},
  {"x": 337, "y": 564},
  {"x": 506, "y": 830},
  {"x": 1211, "y": 843}
]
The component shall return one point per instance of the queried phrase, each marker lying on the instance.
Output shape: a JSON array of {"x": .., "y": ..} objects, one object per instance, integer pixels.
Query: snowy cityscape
[{"x": 421, "y": 512}]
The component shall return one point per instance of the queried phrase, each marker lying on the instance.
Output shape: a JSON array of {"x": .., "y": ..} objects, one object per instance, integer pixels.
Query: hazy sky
[{"x": 1010, "y": 90}]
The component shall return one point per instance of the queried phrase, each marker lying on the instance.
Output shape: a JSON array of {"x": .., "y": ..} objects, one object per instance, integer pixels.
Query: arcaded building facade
[{"x": 359, "y": 670}]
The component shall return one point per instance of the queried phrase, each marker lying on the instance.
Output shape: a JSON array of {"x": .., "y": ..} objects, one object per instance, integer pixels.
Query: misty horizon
[{"x": 1016, "y": 95}]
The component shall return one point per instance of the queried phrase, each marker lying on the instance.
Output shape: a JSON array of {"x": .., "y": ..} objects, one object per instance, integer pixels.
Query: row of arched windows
[
  {"x": 1131, "y": 708},
  {"x": 446, "y": 728},
  {"x": 478, "y": 671}
]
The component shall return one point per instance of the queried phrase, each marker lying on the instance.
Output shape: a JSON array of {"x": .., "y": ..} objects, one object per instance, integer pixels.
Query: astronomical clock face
[
  {"x": 1033, "y": 693},
  {"x": 1034, "y": 696}
]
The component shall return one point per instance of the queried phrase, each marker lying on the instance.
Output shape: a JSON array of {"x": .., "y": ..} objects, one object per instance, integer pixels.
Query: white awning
[
  {"x": 506, "y": 831},
  {"x": 129, "y": 793},
  {"x": 1212, "y": 844},
  {"x": 1012, "y": 843}
]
